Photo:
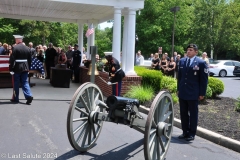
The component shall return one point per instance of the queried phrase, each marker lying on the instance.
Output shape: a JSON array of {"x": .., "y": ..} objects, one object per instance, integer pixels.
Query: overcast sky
[{"x": 105, "y": 24}]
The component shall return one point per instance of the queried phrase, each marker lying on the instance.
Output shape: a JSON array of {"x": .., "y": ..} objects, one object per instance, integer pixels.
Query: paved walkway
[{"x": 41, "y": 128}]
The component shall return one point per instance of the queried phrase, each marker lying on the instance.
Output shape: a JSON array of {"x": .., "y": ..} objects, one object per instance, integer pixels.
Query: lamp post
[
  {"x": 174, "y": 10},
  {"x": 136, "y": 41}
]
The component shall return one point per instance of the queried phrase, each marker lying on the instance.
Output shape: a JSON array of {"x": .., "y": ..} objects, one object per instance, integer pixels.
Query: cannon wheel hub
[{"x": 162, "y": 129}]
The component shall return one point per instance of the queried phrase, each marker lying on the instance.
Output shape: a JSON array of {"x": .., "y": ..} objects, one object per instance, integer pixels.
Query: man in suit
[
  {"x": 20, "y": 63},
  {"x": 50, "y": 56},
  {"x": 191, "y": 86}
]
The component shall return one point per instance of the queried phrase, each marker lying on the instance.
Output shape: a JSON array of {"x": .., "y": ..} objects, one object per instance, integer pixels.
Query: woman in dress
[
  {"x": 164, "y": 64},
  {"x": 10, "y": 49},
  {"x": 156, "y": 62},
  {"x": 62, "y": 58},
  {"x": 171, "y": 67}
]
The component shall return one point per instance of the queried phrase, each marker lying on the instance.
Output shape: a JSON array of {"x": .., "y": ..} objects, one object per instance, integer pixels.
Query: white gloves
[
  {"x": 12, "y": 73},
  {"x": 109, "y": 83}
]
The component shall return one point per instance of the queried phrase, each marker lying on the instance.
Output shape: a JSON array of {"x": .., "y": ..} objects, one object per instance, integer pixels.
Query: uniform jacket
[
  {"x": 20, "y": 53},
  {"x": 115, "y": 71},
  {"x": 193, "y": 80},
  {"x": 76, "y": 58}
]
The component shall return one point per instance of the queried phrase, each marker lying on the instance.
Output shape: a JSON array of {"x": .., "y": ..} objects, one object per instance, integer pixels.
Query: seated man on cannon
[{"x": 116, "y": 74}]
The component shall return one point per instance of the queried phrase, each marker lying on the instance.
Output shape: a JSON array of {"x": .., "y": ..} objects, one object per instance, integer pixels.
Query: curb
[{"x": 214, "y": 137}]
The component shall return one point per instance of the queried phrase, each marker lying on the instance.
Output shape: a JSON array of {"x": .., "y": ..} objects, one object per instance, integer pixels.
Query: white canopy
[
  {"x": 81, "y": 12},
  {"x": 75, "y": 11}
]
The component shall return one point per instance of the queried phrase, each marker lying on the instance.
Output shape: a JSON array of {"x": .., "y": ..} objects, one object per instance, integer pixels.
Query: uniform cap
[
  {"x": 18, "y": 36},
  {"x": 194, "y": 46}
]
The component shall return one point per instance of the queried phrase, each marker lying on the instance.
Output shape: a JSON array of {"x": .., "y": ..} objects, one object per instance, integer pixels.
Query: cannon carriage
[{"x": 88, "y": 110}]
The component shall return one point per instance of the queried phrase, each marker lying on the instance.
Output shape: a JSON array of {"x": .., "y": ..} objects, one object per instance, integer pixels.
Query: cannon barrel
[{"x": 115, "y": 102}]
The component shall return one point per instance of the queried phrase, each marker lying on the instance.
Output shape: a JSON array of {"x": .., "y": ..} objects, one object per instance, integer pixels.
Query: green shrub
[
  {"x": 216, "y": 85},
  {"x": 174, "y": 98},
  {"x": 208, "y": 92},
  {"x": 141, "y": 93},
  {"x": 149, "y": 77},
  {"x": 169, "y": 83},
  {"x": 237, "y": 108}
]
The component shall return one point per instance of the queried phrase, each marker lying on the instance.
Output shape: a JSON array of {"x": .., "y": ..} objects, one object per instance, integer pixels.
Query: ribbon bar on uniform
[{"x": 21, "y": 60}]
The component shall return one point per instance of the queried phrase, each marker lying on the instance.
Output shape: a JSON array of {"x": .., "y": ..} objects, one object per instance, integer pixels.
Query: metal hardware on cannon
[
  {"x": 88, "y": 111},
  {"x": 122, "y": 110}
]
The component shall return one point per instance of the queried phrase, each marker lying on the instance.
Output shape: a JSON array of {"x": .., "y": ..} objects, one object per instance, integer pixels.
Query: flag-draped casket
[
  {"x": 35, "y": 65},
  {"x": 4, "y": 63}
]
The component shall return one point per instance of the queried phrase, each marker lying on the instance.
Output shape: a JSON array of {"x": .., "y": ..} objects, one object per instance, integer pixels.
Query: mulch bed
[{"x": 217, "y": 115}]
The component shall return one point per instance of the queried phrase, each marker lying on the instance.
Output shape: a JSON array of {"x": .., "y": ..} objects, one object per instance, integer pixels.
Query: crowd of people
[
  {"x": 162, "y": 62},
  {"x": 52, "y": 57}
]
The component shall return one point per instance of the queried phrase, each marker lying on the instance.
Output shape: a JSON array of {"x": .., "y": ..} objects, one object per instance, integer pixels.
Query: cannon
[{"x": 88, "y": 110}]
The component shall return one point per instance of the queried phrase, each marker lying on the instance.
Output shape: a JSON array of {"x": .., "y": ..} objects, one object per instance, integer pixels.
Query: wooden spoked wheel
[
  {"x": 82, "y": 130},
  {"x": 159, "y": 126}
]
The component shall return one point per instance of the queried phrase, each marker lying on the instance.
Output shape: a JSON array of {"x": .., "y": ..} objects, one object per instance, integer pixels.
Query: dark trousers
[
  {"x": 116, "y": 88},
  {"x": 76, "y": 71},
  {"x": 189, "y": 116},
  {"x": 23, "y": 78},
  {"x": 48, "y": 67},
  {"x": 70, "y": 67}
]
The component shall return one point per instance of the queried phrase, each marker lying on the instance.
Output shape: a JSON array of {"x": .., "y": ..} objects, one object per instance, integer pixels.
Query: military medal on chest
[{"x": 195, "y": 68}]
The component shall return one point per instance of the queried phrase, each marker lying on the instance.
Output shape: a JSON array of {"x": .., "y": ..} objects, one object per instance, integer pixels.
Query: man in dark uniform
[
  {"x": 69, "y": 59},
  {"x": 49, "y": 59},
  {"x": 116, "y": 75},
  {"x": 20, "y": 63},
  {"x": 191, "y": 86},
  {"x": 76, "y": 60}
]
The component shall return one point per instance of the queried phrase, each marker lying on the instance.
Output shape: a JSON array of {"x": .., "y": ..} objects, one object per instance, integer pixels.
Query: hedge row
[{"x": 154, "y": 79}]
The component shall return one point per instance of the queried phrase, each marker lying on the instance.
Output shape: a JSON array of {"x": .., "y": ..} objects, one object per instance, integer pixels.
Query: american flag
[
  {"x": 90, "y": 30},
  {"x": 37, "y": 65},
  {"x": 4, "y": 63}
]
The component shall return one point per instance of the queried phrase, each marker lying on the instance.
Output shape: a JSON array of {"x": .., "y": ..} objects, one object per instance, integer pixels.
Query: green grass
[{"x": 141, "y": 93}]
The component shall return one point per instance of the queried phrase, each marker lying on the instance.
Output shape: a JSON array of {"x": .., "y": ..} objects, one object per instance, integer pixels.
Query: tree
[
  {"x": 154, "y": 26},
  {"x": 217, "y": 27}
]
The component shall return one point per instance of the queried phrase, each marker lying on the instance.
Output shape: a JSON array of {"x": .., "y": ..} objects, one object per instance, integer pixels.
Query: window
[
  {"x": 236, "y": 63},
  {"x": 228, "y": 64}
]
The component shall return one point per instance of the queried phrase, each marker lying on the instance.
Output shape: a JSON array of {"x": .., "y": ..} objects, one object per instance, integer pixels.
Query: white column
[
  {"x": 116, "y": 46},
  {"x": 130, "y": 43},
  {"x": 80, "y": 38},
  {"x": 124, "y": 49}
]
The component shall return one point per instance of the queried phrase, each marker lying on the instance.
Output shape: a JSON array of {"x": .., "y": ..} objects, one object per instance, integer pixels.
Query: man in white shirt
[{"x": 139, "y": 59}]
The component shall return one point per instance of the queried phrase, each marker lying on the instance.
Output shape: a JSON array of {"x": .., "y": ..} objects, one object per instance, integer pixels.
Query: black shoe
[
  {"x": 14, "y": 101},
  {"x": 189, "y": 138},
  {"x": 29, "y": 100},
  {"x": 182, "y": 136}
]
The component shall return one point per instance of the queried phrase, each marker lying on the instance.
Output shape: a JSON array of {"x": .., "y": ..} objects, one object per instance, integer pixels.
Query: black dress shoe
[
  {"x": 190, "y": 138},
  {"x": 29, "y": 100},
  {"x": 182, "y": 136},
  {"x": 14, "y": 101}
]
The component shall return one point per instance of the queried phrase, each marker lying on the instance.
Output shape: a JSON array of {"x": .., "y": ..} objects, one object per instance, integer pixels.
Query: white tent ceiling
[{"x": 82, "y": 11}]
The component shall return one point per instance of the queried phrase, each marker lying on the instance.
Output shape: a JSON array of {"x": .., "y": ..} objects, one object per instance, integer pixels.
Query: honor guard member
[
  {"x": 191, "y": 87},
  {"x": 116, "y": 74},
  {"x": 20, "y": 63},
  {"x": 76, "y": 60}
]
